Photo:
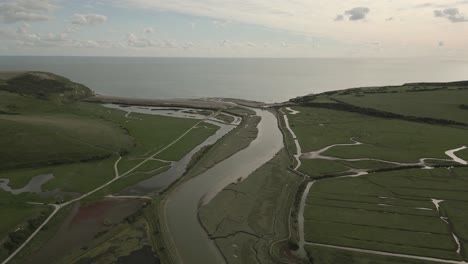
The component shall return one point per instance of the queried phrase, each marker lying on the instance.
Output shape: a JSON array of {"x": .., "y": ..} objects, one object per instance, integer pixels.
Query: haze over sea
[{"x": 269, "y": 80}]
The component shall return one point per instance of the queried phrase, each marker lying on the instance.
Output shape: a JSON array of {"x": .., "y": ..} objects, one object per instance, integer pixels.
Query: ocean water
[{"x": 268, "y": 80}]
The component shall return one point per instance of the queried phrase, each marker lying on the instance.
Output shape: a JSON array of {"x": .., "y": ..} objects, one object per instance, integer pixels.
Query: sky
[{"x": 235, "y": 28}]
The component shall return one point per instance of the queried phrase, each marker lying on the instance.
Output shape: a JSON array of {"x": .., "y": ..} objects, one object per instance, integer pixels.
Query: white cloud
[
  {"x": 25, "y": 10},
  {"x": 148, "y": 30},
  {"x": 339, "y": 17},
  {"x": 452, "y": 14},
  {"x": 135, "y": 41},
  {"x": 88, "y": 19}
]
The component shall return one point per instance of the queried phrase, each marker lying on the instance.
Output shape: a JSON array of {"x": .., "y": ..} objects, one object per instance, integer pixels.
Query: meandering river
[{"x": 188, "y": 236}]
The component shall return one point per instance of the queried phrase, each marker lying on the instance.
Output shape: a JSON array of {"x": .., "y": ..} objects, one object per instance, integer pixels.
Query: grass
[
  {"x": 323, "y": 255},
  {"x": 225, "y": 118},
  {"x": 387, "y": 139},
  {"x": 390, "y": 211},
  {"x": 320, "y": 167},
  {"x": 14, "y": 215},
  {"x": 119, "y": 242},
  {"x": 463, "y": 154},
  {"x": 443, "y": 104},
  {"x": 194, "y": 138},
  {"x": 77, "y": 177},
  {"x": 30, "y": 141},
  {"x": 33, "y": 142},
  {"x": 129, "y": 180},
  {"x": 457, "y": 212},
  {"x": 44, "y": 235},
  {"x": 258, "y": 206}
]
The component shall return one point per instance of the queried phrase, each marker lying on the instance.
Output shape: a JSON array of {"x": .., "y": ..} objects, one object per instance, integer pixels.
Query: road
[{"x": 117, "y": 176}]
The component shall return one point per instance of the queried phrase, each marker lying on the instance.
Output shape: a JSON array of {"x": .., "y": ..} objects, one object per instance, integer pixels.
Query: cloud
[
  {"x": 357, "y": 13},
  {"x": 339, "y": 17},
  {"x": 221, "y": 24},
  {"x": 148, "y": 30},
  {"x": 25, "y": 10},
  {"x": 237, "y": 44},
  {"x": 88, "y": 19},
  {"x": 452, "y": 14},
  {"x": 135, "y": 41}
]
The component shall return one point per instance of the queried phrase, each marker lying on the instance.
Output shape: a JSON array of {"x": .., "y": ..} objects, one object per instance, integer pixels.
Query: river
[{"x": 188, "y": 236}]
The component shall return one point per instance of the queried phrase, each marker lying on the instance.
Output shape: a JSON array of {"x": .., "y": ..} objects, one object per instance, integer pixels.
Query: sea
[{"x": 267, "y": 80}]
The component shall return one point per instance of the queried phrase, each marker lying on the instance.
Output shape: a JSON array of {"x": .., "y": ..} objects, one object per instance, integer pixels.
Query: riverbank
[{"x": 189, "y": 197}]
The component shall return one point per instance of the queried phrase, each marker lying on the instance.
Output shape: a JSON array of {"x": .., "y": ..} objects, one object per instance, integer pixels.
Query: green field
[
  {"x": 84, "y": 140},
  {"x": 387, "y": 139},
  {"x": 388, "y": 211},
  {"x": 323, "y": 255},
  {"x": 442, "y": 104},
  {"x": 391, "y": 211},
  {"x": 321, "y": 167},
  {"x": 13, "y": 214}
]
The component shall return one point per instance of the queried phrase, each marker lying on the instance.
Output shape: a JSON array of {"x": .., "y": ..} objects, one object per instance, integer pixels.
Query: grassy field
[
  {"x": 86, "y": 137},
  {"x": 385, "y": 211},
  {"x": 387, "y": 139},
  {"x": 322, "y": 255},
  {"x": 14, "y": 214},
  {"x": 443, "y": 104},
  {"x": 321, "y": 167},
  {"x": 258, "y": 212},
  {"x": 390, "y": 211},
  {"x": 463, "y": 154}
]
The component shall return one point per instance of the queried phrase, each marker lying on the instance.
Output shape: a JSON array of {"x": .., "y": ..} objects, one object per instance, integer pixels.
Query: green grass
[
  {"x": 442, "y": 104},
  {"x": 225, "y": 118},
  {"x": 194, "y": 138},
  {"x": 323, "y": 255},
  {"x": 41, "y": 140},
  {"x": 44, "y": 133},
  {"x": 387, "y": 139},
  {"x": 13, "y": 215},
  {"x": 384, "y": 211},
  {"x": 320, "y": 167},
  {"x": 366, "y": 164},
  {"x": 463, "y": 154},
  {"x": 45, "y": 234},
  {"x": 391, "y": 240}
]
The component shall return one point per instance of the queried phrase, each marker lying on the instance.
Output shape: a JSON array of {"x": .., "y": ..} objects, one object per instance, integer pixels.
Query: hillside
[
  {"x": 43, "y": 85},
  {"x": 436, "y": 103}
]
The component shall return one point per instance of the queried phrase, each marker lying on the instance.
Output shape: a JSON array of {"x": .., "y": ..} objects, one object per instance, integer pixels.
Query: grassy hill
[
  {"x": 43, "y": 85},
  {"x": 443, "y": 103}
]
